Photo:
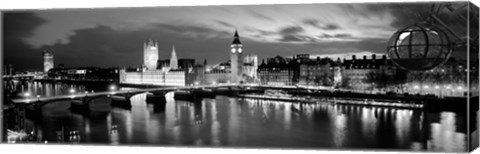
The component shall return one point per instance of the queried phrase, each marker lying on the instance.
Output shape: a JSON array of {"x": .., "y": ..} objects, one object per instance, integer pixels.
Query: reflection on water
[
  {"x": 340, "y": 122},
  {"x": 226, "y": 121},
  {"x": 444, "y": 136},
  {"x": 53, "y": 89}
]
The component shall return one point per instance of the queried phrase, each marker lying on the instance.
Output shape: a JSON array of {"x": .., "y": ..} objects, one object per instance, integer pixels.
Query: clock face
[
  {"x": 233, "y": 50},
  {"x": 240, "y": 50},
  {"x": 47, "y": 66}
]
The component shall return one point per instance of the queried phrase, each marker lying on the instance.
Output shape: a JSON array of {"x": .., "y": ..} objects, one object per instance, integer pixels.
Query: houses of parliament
[{"x": 182, "y": 72}]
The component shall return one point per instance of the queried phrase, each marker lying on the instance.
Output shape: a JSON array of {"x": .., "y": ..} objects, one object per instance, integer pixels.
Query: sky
[{"x": 110, "y": 37}]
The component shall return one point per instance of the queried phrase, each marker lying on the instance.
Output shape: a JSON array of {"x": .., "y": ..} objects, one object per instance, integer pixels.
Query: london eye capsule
[{"x": 421, "y": 46}]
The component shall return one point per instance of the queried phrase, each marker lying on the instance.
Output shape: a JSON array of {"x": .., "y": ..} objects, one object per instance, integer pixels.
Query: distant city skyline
[{"x": 114, "y": 37}]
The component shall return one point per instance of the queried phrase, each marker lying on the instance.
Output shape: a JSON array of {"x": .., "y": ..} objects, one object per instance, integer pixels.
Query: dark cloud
[
  {"x": 258, "y": 32},
  {"x": 377, "y": 27},
  {"x": 406, "y": 14},
  {"x": 267, "y": 33},
  {"x": 20, "y": 25},
  {"x": 324, "y": 35},
  {"x": 103, "y": 46},
  {"x": 311, "y": 22},
  {"x": 338, "y": 36},
  {"x": 317, "y": 24},
  {"x": 293, "y": 34},
  {"x": 366, "y": 10},
  {"x": 16, "y": 27},
  {"x": 260, "y": 16},
  {"x": 92, "y": 46},
  {"x": 292, "y": 38},
  {"x": 409, "y": 13},
  {"x": 291, "y": 30},
  {"x": 297, "y": 38},
  {"x": 224, "y": 23},
  {"x": 196, "y": 31},
  {"x": 331, "y": 27},
  {"x": 342, "y": 35}
]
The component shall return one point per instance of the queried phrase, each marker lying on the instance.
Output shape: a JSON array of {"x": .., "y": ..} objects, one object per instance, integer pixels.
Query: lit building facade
[
  {"x": 300, "y": 70},
  {"x": 217, "y": 77},
  {"x": 278, "y": 71},
  {"x": 166, "y": 72},
  {"x": 250, "y": 66},
  {"x": 200, "y": 71},
  {"x": 369, "y": 74},
  {"x": 150, "y": 55},
  {"x": 173, "y": 59},
  {"x": 47, "y": 60},
  {"x": 318, "y": 72},
  {"x": 450, "y": 79},
  {"x": 84, "y": 73},
  {"x": 155, "y": 77}
]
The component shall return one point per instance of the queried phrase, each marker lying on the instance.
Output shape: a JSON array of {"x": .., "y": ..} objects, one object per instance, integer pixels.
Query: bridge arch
[{"x": 86, "y": 99}]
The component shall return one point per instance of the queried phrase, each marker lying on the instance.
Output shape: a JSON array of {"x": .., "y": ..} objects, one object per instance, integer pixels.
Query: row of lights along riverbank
[{"x": 72, "y": 91}]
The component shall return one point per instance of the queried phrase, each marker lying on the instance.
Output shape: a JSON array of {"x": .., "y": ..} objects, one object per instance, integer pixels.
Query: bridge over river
[{"x": 121, "y": 98}]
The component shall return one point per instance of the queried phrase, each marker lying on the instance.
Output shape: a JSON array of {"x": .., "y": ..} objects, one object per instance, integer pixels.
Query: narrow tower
[
  {"x": 236, "y": 58},
  {"x": 173, "y": 59},
  {"x": 47, "y": 60},
  {"x": 150, "y": 55}
]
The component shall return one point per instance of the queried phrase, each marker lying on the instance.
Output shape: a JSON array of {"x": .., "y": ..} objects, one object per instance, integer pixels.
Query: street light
[
  {"x": 113, "y": 87},
  {"x": 72, "y": 91},
  {"x": 27, "y": 94}
]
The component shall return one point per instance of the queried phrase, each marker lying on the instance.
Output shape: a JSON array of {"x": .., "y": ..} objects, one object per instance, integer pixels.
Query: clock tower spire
[{"x": 236, "y": 58}]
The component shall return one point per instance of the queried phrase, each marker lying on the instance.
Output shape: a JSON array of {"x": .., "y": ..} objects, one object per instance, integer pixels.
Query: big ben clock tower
[
  {"x": 47, "y": 60},
  {"x": 236, "y": 58}
]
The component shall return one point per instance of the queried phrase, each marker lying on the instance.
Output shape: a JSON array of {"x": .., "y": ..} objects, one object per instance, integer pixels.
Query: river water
[{"x": 235, "y": 122}]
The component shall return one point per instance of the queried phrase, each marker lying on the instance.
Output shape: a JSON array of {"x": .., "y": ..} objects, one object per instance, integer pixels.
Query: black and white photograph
[{"x": 390, "y": 76}]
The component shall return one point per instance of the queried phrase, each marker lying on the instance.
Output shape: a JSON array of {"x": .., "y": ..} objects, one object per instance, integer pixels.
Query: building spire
[
  {"x": 173, "y": 51},
  {"x": 173, "y": 59},
  {"x": 236, "y": 33},
  {"x": 236, "y": 38}
]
